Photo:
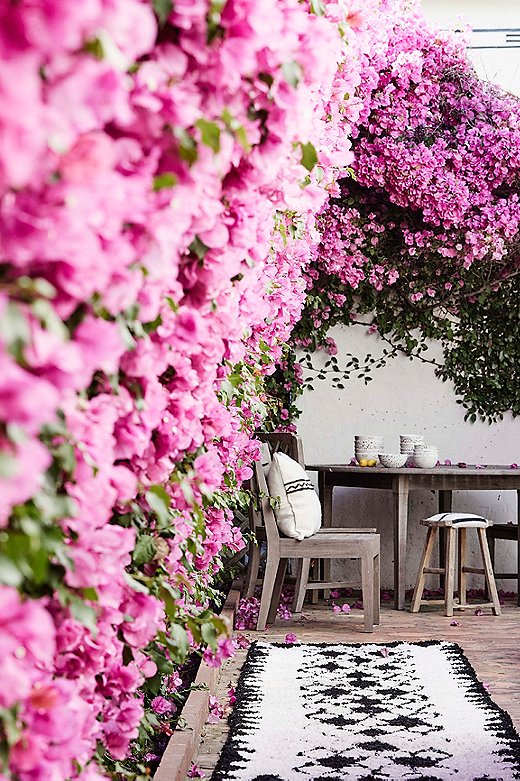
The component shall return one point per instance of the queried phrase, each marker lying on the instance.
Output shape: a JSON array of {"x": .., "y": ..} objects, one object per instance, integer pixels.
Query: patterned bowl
[{"x": 393, "y": 460}]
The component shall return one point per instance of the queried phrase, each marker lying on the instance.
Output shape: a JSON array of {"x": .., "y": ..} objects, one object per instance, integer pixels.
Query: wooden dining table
[{"x": 443, "y": 479}]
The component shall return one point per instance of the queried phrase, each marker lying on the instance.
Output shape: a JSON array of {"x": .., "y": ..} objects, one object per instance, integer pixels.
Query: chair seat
[
  {"x": 460, "y": 520},
  {"x": 330, "y": 544}
]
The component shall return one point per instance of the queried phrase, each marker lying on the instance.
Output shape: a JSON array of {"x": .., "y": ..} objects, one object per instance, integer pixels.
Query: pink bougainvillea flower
[
  {"x": 513, "y": 466},
  {"x": 334, "y": 593},
  {"x": 384, "y": 651},
  {"x": 232, "y": 695},
  {"x": 479, "y": 612},
  {"x": 290, "y": 638},
  {"x": 162, "y": 706},
  {"x": 241, "y": 641},
  {"x": 454, "y": 623},
  {"x": 216, "y": 710},
  {"x": 195, "y": 771},
  {"x": 447, "y": 462}
]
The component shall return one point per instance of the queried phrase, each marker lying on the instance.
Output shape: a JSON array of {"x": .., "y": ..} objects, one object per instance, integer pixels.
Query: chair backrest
[
  {"x": 262, "y": 516},
  {"x": 285, "y": 442},
  {"x": 265, "y": 513}
]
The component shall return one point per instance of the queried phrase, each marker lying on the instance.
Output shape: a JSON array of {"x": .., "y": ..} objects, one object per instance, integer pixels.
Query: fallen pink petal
[
  {"x": 290, "y": 638},
  {"x": 454, "y": 623}
]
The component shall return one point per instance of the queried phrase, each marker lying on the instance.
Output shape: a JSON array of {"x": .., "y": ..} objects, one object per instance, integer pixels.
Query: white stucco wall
[{"x": 405, "y": 396}]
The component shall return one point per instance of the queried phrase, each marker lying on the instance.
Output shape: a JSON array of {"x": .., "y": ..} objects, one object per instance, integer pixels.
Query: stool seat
[{"x": 461, "y": 520}]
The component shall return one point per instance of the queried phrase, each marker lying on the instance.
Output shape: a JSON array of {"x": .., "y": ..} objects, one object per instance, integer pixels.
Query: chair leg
[
  {"x": 488, "y": 570},
  {"x": 316, "y": 575},
  {"x": 326, "y": 569},
  {"x": 252, "y": 570},
  {"x": 421, "y": 577},
  {"x": 462, "y": 562},
  {"x": 277, "y": 590},
  {"x": 377, "y": 591},
  {"x": 302, "y": 578},
  {"x": 451, "y": 534},
  {"x": 367, "y": 589},
  {"x": 271, "y": 570}
]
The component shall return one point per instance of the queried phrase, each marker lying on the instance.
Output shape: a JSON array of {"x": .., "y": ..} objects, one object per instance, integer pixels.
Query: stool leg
[
  {"x": 421, "y": 577},
  {"x": 491, "y": 545},
  {"x": 462, "y": 562},
  {"x": 450, "y": 570},
  {"x": 488, "y": 570}
]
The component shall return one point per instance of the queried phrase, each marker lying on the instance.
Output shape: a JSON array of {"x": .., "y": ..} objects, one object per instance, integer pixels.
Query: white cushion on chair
[
  {"x": 462, "y": 520},
  {"x": 299, "y": 513}
]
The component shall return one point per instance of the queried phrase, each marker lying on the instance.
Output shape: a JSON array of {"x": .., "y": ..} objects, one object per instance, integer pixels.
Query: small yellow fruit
[
  {"x": 372, "y": 462},
  {"x": 363, "y": 462}
]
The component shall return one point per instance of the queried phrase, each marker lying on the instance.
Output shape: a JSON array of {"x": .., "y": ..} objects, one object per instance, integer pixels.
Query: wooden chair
[
  {"x": 505, "y": 531},
  {"x": 330, "y": 543},
  {"x": 455, "y": 526},
  {"x": 291, "y": 445}
]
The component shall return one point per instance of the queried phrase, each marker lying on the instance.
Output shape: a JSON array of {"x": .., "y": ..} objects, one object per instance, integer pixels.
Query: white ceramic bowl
[
  {"x": 425, "y": 461},
  {"x": 393, "y": 460},
  {"x": 367, "y": 455},
  {"x": 408, "y": 442},
  {"x": 368, "y": 443},
  {"x": 425, "y": 450}
]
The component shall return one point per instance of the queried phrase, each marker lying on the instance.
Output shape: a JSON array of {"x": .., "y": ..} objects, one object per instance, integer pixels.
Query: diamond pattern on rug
[{"x": 335, "y": 712}]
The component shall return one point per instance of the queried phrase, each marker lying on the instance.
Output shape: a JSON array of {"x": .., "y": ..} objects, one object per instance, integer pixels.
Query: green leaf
[
  {"x": 292, "y": 73},
  {"x": 90, "y": 593},
  {"x": 82, "y": 612},
  {"x": 318, "y": 7},
  {"x": 8, "y": 466},
  {"x": 209, "y": 635},
  {"x": 166, "y": 179},
  {"x": 163, "y": 9},
  {"x": 46, "y": 314},
  {"x": 135, "y": 584},
  {"x": 198, "y": 248},
  {"x": 144, "y": 550},
  {"x": 187, "y": 145},
  {"x": 159, "y": 502},
  {"x": 309, "y": 156},
  {"x": 209, "y": 133},
  {"x": 179, "y": 644},
  {"x": 10, "y": 575},
  {"x": 14, "y": 329}
]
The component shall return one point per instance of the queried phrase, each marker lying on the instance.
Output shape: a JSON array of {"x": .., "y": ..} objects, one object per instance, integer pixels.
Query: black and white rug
[{"x": 368, "y": 711}]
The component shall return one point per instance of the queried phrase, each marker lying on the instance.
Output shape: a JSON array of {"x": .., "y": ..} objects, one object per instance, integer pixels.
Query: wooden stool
[{"x": 455, "y": 525}]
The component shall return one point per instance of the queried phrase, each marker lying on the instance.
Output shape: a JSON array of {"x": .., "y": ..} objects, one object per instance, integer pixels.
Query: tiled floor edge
[{"x": 183, "y": 744}]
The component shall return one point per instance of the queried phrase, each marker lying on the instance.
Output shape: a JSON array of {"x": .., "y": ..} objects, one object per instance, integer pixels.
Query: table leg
[
  {"x": 445, "y": 506},
  {"x": 400, "y": 489},
  {"x": 323, "y": 567}
]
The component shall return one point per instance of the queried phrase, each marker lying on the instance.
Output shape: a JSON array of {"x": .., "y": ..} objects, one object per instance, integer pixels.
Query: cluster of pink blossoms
[
  {"x": 436, "y": 163},
  {"x": 159, "y": 181}
]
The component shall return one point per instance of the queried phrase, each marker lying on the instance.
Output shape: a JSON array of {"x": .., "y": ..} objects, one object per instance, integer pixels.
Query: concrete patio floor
[{"x": 492, "y": 645}]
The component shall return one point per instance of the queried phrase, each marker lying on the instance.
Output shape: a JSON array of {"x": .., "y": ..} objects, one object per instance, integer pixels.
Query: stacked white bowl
[
  {"x": 425, "y": 456},
  {"x": 367, "y": 447},
  {"x": 409, "y": 441}
]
